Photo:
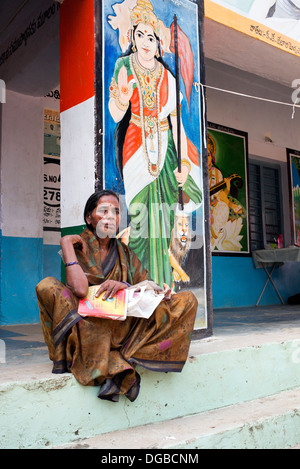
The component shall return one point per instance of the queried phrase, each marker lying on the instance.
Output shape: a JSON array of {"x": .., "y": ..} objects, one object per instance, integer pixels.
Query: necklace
[
  {"x": 146, "y": 80},
  {"x": 145, "y": 69}
]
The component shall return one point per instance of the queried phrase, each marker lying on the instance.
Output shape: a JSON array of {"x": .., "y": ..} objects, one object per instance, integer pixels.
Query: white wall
[
  {"x": 257, "y": 118},
  {"x": 77, "y": 161},
  {"x": 21, "y": 165}
]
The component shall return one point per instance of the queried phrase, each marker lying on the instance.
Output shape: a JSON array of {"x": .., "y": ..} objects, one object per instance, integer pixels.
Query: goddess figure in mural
[{"x": 143, "y": 104}]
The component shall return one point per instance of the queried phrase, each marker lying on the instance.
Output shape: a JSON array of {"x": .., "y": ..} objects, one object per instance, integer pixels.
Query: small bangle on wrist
[
  {"x": 71, "y": 263},
  {"x": 128, "y": 284},
  {"x": 121, "y": 106}
]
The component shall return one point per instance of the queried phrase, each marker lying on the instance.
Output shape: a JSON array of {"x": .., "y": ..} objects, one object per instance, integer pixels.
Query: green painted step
[
  {"x": 271, "y": 422},
  {"x": 52, "y": 410}
]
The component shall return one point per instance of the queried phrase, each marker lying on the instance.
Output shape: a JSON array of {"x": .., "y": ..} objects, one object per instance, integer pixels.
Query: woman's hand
[
  {"x": 73, "y": 240},
  {"x": 182, "y": 176},
  {"x": 110, "y": 287},
  {"x": 167, "y": 292}
]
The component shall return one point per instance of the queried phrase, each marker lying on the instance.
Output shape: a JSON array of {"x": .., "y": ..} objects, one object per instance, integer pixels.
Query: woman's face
[
  {"x": 145, "y": 41},
  {"x": 105, "y": 218}
]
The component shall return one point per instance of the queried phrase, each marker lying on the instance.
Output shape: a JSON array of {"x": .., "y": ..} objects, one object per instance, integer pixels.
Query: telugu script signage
[{"x": 273, "y": 22}]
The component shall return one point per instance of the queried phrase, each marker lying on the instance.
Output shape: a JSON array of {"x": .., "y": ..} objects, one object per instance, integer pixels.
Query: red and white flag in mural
[{"x": 186, "y": 57}]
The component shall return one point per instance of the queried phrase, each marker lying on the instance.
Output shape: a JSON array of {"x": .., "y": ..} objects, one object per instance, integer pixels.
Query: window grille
[{"x": 264, "y": 205}]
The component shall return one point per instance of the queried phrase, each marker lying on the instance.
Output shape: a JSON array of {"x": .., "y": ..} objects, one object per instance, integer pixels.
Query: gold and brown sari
[{"x": 104, "y": 351}]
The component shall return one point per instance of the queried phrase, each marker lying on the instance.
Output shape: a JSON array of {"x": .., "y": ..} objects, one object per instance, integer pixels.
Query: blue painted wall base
[
  {"x": 236, "y": 282},
  {"x": 52, "y": 261},
  {"x": 24, "y": 262}
]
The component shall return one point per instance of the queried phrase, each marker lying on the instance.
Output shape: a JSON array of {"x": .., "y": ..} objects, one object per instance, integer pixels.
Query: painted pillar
[{"x": 77, "y": 79}]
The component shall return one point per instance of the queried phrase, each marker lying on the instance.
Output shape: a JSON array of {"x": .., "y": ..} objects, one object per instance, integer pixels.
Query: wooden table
[{"x": 272, "y": 258}]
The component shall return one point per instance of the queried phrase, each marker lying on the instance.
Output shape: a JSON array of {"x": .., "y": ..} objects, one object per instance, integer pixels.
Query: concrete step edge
[
  {"x": 34, "y": 372},
  {"x": 269, "y": 422}
]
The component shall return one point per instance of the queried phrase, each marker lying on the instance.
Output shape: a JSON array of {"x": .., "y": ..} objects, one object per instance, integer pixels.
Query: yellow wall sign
[{"x": 259, "y": 22}]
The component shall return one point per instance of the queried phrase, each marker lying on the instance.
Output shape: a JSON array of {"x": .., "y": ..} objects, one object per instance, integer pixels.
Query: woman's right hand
[
  {"x": 111, "y": 288},
  {"x": 75, "y": 277},
  {"x": 73, "y": 240},
  {"x": 125, "y": 88}
]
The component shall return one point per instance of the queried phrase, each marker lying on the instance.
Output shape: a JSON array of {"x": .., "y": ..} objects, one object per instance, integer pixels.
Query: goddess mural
[{"x": 143, "y": 104}]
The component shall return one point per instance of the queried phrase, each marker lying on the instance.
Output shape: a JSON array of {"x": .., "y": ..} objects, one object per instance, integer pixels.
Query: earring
[
  {"x": 133, "y": 46},
  {"x": 157, "y": 53}
]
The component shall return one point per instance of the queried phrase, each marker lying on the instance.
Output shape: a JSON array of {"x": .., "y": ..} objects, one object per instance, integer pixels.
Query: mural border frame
[{"x": 100, "y": 146}]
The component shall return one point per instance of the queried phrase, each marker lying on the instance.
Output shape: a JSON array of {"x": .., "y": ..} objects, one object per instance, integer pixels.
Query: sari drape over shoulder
[{"x": 104, "y": 352}]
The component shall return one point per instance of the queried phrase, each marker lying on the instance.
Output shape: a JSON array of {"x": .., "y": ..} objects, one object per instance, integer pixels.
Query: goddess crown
[{"x": 143, "y": 13}]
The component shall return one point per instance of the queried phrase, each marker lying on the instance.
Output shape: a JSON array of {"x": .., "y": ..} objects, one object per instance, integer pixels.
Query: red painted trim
[{"x": 77, "y": 56}]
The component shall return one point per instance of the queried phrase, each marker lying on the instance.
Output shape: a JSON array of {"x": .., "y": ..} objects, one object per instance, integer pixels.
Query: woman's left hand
[{"x": 110, "y": 287}]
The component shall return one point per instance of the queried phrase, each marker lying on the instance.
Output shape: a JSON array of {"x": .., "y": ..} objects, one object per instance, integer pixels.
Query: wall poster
[
  {"x": 293, "y": 157},
  {"x": 51, "y": 215},
  {"x": 152, "y": 137},
  {"x": 227, "y": 166}
]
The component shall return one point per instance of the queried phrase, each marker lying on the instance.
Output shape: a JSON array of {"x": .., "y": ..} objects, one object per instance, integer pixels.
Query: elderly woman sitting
[{"x": 100, "y": 351}]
